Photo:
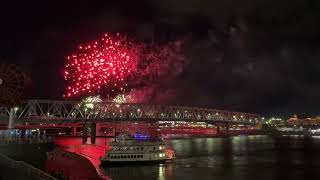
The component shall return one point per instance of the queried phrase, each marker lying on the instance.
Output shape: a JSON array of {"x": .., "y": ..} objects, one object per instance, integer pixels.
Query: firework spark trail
[
  {"x": 115, "y": 65},
  {"x": 105, "y": 63}
]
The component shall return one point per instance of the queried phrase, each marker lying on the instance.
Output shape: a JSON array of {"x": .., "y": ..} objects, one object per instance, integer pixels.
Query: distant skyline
[{"x": 253, "y": 56}]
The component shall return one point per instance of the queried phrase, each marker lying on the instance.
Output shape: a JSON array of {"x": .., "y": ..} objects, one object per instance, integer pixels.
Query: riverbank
[
  {"x": 11, "y": 169},
  {"x": 69, "y": 165},
  {"x": 34, "y": 154}
]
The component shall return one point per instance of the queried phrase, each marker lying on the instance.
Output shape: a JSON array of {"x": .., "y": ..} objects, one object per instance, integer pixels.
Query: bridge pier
[
  {"x": 218, "y": 129},
  {"x": 84, "y": 133},
  {"x": 227, "y": 129},
  {"x": 93, "y": 132},
  {"x": 12, "y": 117},
  {"x": 74, "y": 131}
]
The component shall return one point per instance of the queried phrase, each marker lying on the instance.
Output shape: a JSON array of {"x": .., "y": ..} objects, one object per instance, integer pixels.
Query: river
[{"x": 241, "y": 157}]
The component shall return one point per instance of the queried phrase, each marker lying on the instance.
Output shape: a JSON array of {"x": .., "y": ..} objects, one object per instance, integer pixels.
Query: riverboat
[{"x": 135, "y": 150}]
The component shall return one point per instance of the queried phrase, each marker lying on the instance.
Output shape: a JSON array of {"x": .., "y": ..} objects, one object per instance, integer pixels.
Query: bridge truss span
[{"x": 76, "y": 111}]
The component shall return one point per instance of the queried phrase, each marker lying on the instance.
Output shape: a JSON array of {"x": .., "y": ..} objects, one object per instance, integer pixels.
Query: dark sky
[{"x": 251, "y": 55}]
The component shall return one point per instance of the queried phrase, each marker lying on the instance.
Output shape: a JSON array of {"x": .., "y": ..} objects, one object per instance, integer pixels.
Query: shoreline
[{"x": 71, "y": 164}]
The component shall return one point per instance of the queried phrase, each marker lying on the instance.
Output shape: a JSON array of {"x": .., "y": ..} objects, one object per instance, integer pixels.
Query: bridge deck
[{"x": 43, "y": 111}]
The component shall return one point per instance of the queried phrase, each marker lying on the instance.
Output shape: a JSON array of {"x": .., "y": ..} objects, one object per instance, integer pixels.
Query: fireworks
[
  {"x": 90, "y": 105},
  {"x": 115, "y": 65},
  {"x": 103, "y": 64},
  {"x": 121, "y": 98}
]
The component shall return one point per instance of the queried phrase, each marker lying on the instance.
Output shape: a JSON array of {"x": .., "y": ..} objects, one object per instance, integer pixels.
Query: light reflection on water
[{"x": 240, "y": 157}]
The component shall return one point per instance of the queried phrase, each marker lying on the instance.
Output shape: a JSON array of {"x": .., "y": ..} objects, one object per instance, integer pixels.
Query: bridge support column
[
  {"x": 12, "y": 118},
  {"x": 84, "y": 133},
  {"x": 74, "y": 131},
  {"x": 218, "y": 128},
  {"x": 227, "y": 129},
  {"x": 93, "y": 132}
]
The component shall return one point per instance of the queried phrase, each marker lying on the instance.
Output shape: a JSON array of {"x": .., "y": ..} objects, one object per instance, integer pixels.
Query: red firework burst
[{"x": 103, "y": 64}]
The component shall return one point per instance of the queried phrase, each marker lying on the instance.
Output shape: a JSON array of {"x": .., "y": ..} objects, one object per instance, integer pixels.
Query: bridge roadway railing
[{"x": 45, "y": 110}]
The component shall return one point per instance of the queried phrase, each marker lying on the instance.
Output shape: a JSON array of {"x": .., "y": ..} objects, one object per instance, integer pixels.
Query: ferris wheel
[{"x": 13, "y": 83}]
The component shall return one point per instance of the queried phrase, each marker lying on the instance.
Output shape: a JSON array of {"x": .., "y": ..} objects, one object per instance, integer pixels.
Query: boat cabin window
[
  {"x": 134, "y": 156},
  {"x": 121, "y": 157}
]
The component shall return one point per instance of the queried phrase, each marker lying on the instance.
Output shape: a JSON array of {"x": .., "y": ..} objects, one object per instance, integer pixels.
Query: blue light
[{"x": 139, "y": 136}]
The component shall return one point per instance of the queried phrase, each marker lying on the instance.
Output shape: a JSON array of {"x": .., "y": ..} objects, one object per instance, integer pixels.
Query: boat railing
[
  {"x": 136, "y": 143},
  {"x": 140, "y": 139}
]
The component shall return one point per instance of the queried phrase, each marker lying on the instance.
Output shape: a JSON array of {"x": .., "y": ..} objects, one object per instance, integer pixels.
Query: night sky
[{"x": 259, "y": 56}]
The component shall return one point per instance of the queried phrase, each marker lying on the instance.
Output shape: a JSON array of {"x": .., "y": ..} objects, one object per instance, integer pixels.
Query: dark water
[{"x": 241, "y": 157}]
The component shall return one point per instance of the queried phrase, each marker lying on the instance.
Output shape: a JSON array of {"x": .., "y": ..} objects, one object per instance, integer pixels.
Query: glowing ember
[
  {"x": 101, "y": 65},
  {"x": 121, "y": 98},
  {"x": 92, "y": 99},
  {"x": 90, "y": 102}
]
